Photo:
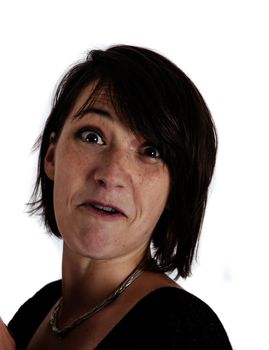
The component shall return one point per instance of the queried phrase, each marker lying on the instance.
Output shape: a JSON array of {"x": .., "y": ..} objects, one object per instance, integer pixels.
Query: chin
[{"x": 92, "y": 246}]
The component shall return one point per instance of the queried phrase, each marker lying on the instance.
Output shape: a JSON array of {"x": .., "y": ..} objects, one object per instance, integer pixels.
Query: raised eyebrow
[{"x": 93, "y": 110}]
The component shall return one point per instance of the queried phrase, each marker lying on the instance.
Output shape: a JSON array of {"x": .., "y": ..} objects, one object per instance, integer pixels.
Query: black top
[{"x": 167, "y": 318}]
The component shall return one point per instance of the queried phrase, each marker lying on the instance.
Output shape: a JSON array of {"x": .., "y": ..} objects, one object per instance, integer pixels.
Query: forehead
[
  {"x": 101, "y": 99},
  {"x": 123, "y": 106},
  {"x": 93, "y": 97},
  {"x": 99, "y": 103}
]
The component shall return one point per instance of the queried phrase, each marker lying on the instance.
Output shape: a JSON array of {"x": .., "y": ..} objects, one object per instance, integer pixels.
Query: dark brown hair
[{"x": 157, "y": 101}]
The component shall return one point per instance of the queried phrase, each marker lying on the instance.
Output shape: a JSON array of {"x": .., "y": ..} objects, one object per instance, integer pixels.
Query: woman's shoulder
[
  {"x": 42, "y": 299},
  {"x": 188, "y": 319},
  {"x": 179, "y": 300},
  {"x": 32, "y": 312}
]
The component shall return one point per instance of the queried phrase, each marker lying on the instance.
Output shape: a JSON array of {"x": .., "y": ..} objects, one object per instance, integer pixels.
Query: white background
[{"x": 223, "y": 47}]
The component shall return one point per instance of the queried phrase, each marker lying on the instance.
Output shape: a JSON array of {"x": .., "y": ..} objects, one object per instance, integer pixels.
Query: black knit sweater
[{"x": 167, "y": 318}]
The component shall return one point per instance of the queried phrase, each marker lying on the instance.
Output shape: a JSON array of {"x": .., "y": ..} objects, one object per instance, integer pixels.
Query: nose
[{"x": 114, "y": 169}]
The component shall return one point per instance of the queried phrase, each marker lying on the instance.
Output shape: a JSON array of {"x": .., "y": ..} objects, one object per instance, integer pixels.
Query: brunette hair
[{"x": 157, "y": 101}]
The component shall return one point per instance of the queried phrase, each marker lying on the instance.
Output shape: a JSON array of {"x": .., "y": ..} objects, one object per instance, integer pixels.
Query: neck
[{"x": 87, "y": 282}]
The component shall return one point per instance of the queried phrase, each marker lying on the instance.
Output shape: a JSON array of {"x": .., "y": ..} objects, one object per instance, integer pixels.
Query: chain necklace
[{"x": 61, "y": 332}]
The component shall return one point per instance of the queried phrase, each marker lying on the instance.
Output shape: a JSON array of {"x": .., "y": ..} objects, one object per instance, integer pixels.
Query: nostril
[{"x": 101, "y": 181}]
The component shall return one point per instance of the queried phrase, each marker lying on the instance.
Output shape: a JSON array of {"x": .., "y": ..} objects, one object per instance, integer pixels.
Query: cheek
[
  {"x": 66, "y": 180},
  {"x": 153, "y": 194},
  {"x": 68, "y": 164}
]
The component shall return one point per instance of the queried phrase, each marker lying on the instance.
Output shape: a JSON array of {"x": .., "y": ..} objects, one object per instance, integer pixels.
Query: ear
[{"x": 49, "y": 159}]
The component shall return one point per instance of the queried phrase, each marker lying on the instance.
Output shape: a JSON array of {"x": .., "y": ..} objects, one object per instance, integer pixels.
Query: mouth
[{"x": 104, "y": 208}]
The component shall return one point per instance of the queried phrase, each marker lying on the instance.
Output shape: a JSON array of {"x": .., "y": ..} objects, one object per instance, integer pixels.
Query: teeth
[{"x": 100, "y": 207}]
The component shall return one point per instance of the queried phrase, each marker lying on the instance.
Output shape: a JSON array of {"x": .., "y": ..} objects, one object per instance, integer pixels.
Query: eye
[
  {"x": 151, "y": 151},
  {"x": 90, "y": 136}
]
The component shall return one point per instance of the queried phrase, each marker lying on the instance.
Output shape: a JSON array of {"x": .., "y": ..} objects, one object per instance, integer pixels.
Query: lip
[{"x": 88, "y": 206}]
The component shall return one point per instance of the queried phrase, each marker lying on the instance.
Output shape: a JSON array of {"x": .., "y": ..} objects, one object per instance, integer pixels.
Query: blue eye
[
  {"x": 91, "y": 136},
  {"x": 151, "y": 151}
]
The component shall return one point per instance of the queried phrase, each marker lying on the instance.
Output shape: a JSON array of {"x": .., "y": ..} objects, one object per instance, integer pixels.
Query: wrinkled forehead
[
  {"x": 102, "y": 96},
  {"x": 93, "y": 96},
  {"x": 131, "y": 109}
]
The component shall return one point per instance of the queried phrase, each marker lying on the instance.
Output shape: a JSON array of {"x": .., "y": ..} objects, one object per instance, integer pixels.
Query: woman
[{"x": 126, "y": 158}]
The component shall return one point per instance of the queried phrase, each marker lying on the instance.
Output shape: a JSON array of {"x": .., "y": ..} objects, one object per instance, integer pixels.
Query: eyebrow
[{"x": 93, "y": 110}]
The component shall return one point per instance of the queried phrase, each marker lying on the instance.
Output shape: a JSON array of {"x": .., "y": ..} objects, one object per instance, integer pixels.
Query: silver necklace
[{"x": 61, "y": 332}]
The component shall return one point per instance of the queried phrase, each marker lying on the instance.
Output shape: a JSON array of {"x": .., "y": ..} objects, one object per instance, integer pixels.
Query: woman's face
[{"x": 110, "y": 187}]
